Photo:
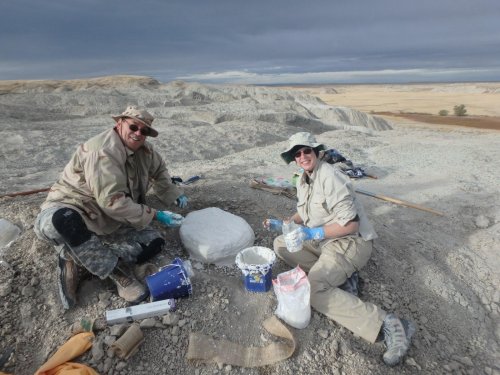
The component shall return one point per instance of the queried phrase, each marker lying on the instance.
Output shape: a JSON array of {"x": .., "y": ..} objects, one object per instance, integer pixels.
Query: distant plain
[{"x": 418, "y": 102}]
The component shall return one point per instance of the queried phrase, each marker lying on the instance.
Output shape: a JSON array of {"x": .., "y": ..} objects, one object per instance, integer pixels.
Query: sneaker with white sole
[{"x": 397, "y": 337}]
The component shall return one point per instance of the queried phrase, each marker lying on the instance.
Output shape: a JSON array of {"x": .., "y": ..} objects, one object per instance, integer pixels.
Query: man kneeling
[{"x": 95, "y": 214}]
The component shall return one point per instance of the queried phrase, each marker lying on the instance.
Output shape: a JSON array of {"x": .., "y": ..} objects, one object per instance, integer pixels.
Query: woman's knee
[
  {"x": 280, "y": 247},
  {"x": 360, "y": 253},
  {"x": 329, "y": 272}
]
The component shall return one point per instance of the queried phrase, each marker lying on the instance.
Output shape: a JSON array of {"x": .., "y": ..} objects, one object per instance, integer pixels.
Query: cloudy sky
[{"x": 259, "y": 41}]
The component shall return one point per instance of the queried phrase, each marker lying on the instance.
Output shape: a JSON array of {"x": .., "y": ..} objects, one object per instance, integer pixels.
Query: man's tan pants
[{"x": 329, "y": 264}]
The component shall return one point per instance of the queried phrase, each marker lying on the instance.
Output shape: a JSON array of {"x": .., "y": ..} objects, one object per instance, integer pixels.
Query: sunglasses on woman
[
  {"x": 144, "y": 131},
  {"x": 305, "y": 151}
]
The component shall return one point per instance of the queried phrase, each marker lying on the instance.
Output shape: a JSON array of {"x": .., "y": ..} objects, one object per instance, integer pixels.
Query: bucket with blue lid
[
  {"x": 172, "y": 281},
  {"x": 256, "y": 264}
]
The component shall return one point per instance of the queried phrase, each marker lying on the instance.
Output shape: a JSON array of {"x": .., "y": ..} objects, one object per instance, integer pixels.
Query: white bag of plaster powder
[{"x": 293, "y": 292}]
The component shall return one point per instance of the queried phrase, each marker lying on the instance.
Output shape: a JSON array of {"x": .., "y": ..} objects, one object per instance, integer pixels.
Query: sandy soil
[{"x": 439, "y": 271}]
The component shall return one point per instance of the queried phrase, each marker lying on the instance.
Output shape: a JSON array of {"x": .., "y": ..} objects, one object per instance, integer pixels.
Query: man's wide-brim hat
[
  {"x": 296, "y": 142},
  {"x": 139, "y": 114}
]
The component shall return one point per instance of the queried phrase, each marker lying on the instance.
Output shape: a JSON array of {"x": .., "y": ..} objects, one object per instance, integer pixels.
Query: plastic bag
[
  {"x": 291, "y": 235},
  {"x": 8, "y": 233},
  {"x": 293, "y": 291}
]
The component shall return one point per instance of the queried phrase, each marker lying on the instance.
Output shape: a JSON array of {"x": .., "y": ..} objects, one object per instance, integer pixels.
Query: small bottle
[
  {"x": 188, "y": 268},
  {"x": 290, "y": 234}
]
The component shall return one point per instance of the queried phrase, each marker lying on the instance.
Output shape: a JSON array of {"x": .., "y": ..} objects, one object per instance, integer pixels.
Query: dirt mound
[{"x": 32, "y": 86}]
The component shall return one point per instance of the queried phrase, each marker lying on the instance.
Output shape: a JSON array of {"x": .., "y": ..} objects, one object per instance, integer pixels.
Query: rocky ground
[{"x": 439, "y": 271}]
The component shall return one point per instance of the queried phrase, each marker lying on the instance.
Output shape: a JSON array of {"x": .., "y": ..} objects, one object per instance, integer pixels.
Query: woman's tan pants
[{"x": 329, "y": 264}]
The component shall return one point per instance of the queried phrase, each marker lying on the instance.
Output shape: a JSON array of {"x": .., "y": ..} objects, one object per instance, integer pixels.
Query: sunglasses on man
[{"x": 144, "y": 131}]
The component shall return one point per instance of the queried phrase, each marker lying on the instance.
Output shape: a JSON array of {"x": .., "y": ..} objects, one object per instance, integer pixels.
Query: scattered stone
[
  {"x": 482, "y": 222},
  {"x": 120, "y": 365},
  {"x": 108, "y": 362},
  {"x": 109, "y": 340},
  {"x": 105, "y": 296},
  {"x": 335, "y": 346},
  {"x": 110, "y": 353},
  {"x": 466, "y": 361},
  {"x": 97, "y": 350},
  {"x": 411, "y": 362},
  {"x": 5, "y": 289},
  {"x": 323, "y": 333},
  {"x": 118, "y": 329},
  {"x": 148, "y": 323},
  {"x": 170, "y": 319},
  {"x": 28, "y": 291},
  {"x": 442, "y": 337},
  {"x": 175, "y": 331}
]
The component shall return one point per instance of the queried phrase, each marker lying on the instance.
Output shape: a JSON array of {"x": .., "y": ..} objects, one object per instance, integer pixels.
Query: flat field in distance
[{"x": 418, "y": 102}]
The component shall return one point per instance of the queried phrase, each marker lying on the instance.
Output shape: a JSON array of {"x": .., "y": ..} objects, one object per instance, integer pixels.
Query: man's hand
[
  {"x": 182, "y": 201},
  {"x": 273, "y": 225},
  {"x": 169, "y": 219}
]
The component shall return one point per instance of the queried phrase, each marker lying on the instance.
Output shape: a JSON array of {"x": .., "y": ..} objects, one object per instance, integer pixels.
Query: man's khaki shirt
[
  {"x": 107, "y": 183},
  {"x": 330, "y": 198}
]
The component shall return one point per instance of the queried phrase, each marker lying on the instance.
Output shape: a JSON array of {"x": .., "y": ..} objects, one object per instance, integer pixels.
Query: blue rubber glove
[
  {"x": 294, "y": 240},
  {"x": 182, "y": 201},
  {"x": 273, "y": 225},
  {"x": 169, "y": 219},
  {"x": 317, "y": 233}
]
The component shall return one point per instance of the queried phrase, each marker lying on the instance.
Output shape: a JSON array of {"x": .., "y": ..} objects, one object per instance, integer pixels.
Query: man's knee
[
  {"x": 151, "y": 249},
  {"x": 71, "y": 226}
]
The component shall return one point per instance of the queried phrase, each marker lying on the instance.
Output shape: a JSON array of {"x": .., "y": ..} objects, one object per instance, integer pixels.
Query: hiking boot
[
  {"x": 351, "y": 284},
  {"x": 141, "y": 271},
  {"x": 397, "y": 336},
  {"x": 67, "y": 280},
  {"x": 128, "y": 287}
]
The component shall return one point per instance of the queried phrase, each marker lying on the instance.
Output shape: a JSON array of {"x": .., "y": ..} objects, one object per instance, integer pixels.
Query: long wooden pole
[
  {"x": 398, "y": 201},
  {"x": 361, "y": 191},
  {"x": 29, "y": 192}
]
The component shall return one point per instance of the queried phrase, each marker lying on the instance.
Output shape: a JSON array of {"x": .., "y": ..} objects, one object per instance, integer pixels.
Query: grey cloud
[{"x": 174, "y": 38}]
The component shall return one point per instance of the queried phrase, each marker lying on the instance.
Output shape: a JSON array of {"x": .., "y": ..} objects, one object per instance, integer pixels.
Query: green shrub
[
  {"x": 460, "y": 110},
  {"x": 443, "y": 112}
]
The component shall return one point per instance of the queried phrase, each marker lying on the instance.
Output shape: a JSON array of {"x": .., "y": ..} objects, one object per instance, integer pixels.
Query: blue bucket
[
  {"x": 171, "y": 281},
  {"x": 256, "y": 265}
]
